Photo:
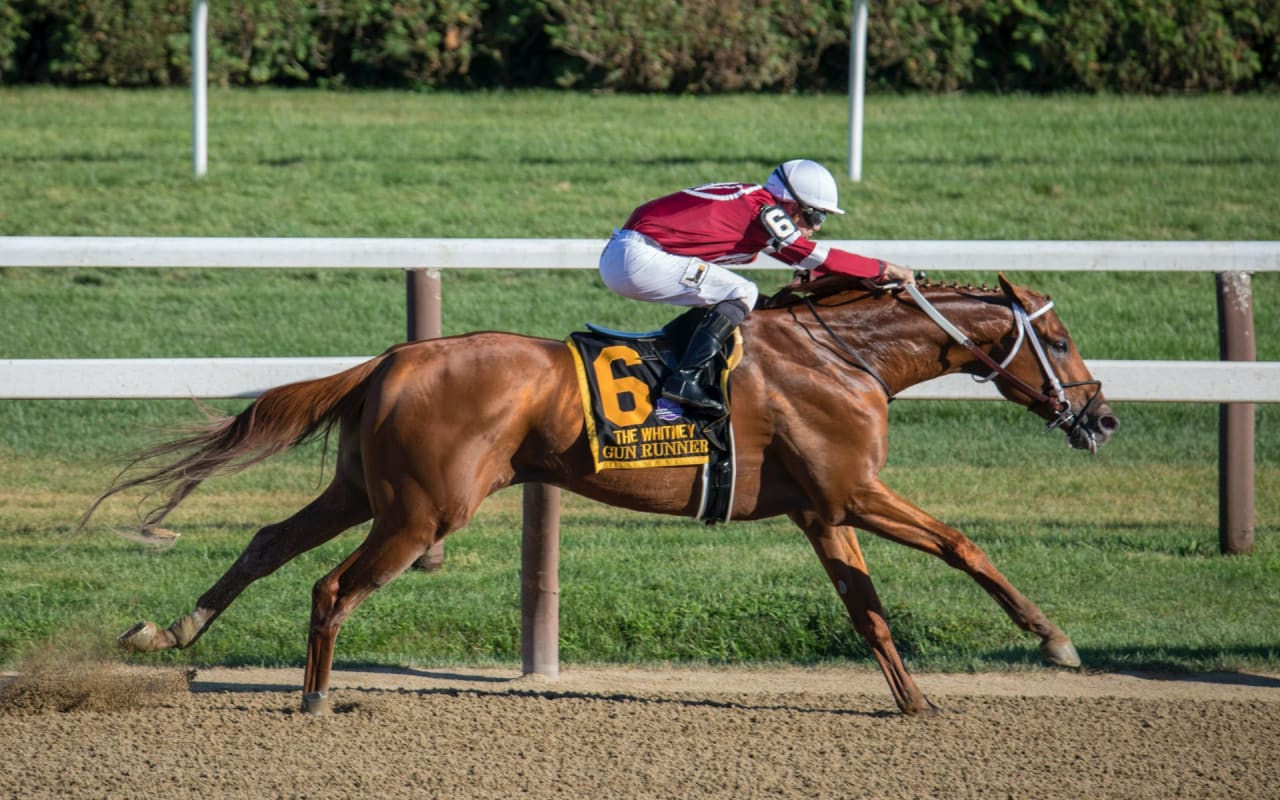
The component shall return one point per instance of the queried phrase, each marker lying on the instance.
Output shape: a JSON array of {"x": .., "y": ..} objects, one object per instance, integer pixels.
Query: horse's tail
[{"x": 279, "y": 419}]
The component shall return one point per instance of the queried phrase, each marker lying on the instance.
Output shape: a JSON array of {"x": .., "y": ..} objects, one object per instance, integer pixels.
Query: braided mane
[{"x": 798, "y": 291}]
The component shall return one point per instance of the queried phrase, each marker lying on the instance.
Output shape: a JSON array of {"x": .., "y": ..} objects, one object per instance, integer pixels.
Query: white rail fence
[
  {"x": 1155, "y": 381},
  {"x": 207, "y": 378},
  {"x": 1236, "y": 383},
  {"x": 318, "y": 253}
]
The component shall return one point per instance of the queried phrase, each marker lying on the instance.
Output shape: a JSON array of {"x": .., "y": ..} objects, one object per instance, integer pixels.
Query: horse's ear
[{"x": 1022, "y": 296}]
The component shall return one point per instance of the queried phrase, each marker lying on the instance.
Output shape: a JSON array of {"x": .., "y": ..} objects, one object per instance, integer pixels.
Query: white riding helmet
[{"x": 808, "y": 183}]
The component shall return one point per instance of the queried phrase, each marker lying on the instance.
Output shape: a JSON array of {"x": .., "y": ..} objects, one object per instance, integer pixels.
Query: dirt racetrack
[{"x": 100, "y": 731}]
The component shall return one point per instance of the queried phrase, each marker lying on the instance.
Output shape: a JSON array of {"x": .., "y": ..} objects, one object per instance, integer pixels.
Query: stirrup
[{"x": 689, "y": 394}]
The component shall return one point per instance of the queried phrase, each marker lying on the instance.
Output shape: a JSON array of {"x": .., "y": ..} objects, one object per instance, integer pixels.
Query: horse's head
[
  {"x": 1034, "y": 363},
  {"x": 1040, "y": 354}
]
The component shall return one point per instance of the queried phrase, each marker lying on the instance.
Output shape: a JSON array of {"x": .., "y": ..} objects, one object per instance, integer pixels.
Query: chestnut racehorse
[{"x": 429, "y": 429}]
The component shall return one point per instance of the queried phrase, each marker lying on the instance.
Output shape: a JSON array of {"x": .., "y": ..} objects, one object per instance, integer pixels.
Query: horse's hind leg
[
  {"x": 880, "y": 511},
  {"x": 389, "y": 550},
  {"x": 837, "y": 548},
  {"x": 341, "y": 506}
]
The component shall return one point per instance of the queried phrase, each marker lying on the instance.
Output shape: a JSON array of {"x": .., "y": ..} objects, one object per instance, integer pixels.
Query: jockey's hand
[{"x": 896, "y": 274}]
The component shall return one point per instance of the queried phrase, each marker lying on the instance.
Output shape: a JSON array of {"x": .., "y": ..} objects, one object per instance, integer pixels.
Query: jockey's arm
[
  {"x": 886, "y": 272},
  {"x": 790, "y": 243},
  {"x": 821, "y": 259}
]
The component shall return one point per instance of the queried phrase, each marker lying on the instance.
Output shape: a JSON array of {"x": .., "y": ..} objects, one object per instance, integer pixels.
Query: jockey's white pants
[{"x": 635, "y": 266}]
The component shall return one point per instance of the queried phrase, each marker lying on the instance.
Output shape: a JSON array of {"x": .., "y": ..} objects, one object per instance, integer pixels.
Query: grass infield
[{"x": 1119, "y": 549}]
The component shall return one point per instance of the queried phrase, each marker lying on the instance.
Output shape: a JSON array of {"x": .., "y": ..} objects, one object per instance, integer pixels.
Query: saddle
[{"x": 631, "y": 426}]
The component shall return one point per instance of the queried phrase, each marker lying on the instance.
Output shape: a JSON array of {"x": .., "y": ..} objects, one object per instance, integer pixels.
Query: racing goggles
[{"x": 814, "y": 216}]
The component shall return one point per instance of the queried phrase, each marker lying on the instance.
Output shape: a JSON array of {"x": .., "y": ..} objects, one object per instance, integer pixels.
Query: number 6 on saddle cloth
[{"x": 629, "y": 424}]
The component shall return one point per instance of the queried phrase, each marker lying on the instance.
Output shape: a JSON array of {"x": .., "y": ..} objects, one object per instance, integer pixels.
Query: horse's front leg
[
  {"x": 837, "y": 548},
  {"x": 338, "y": 508},
  {"x": 878, "y": 510}
]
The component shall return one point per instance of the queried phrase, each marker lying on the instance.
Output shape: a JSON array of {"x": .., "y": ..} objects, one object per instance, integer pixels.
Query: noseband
[{"x": 1053, "y": 395}]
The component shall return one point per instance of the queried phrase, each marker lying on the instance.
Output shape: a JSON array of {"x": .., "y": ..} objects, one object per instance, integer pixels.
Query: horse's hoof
[
  {"x": 430, "y": 562},
  {"x": 144, "y": 637},
  {"x": 921, "y": 710},
  {"x": 316, "y": 703},
  {"x": 1060, "y": 653}
]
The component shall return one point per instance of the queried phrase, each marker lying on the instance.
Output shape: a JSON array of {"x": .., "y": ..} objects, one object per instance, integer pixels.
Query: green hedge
[
  {"x": 1094, "y": 45},
  {"x": 653, "y": 45},
  {"x": 713, "y": 45},
  {"x": 415, "y": 43}
]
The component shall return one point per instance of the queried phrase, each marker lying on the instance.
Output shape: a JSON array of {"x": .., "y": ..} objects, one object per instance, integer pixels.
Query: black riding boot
[{"x": 683, "y": 386}]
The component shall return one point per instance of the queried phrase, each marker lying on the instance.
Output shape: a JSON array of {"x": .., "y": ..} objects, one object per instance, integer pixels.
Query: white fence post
[
  {"x": 199, "y": 87},
  {"x": 857, "y": 85}
]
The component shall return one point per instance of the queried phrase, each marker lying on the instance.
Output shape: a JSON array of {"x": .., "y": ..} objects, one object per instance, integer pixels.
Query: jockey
[{"x": 677, "y": 249}]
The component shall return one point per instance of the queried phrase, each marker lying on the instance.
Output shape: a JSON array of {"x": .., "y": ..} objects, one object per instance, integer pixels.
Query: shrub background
[{"x": 1149, "y": 46}]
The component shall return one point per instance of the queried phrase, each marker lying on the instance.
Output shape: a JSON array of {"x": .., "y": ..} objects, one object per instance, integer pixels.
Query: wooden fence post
[
  {"x": 540, "y": 581},
  {"x": 1235, "y": 420},
  {"x": 424, "y": 315},
  {"x": 540, "y": 537}
]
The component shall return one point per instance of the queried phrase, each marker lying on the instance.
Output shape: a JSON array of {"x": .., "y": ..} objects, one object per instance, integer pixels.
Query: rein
[
  {"x": 1022, "y": 321},
  {"x": 1057, "y": 397},
  {"x": 861, "y": 363}
]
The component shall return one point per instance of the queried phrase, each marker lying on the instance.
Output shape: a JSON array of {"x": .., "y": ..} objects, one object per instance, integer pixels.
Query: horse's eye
[{"x": 1058, "y": 346}]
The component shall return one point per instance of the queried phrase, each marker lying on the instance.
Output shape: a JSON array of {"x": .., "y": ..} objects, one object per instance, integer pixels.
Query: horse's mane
[{"x": 800, "y": 290}]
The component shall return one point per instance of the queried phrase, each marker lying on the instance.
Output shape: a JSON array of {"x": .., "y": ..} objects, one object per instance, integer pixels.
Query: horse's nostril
[{"x": 1108, "y": 424}]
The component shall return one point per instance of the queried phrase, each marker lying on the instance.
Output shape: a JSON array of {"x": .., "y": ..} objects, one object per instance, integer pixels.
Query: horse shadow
[
  {"x": 471, "y": 685},
  {"x": 199, "y": 685}
]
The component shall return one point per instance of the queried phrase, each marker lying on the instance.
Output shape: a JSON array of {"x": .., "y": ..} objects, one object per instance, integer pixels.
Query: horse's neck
[
  {"x": 899, "y": 341},
  {"x": 921, "y": 350}
]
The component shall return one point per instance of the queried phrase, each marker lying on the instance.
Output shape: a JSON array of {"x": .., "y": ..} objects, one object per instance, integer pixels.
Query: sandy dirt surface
[{"x": 99, "y": 731}]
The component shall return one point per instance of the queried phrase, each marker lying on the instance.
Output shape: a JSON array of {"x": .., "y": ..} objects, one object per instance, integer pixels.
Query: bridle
[{"x": 1053, "y": 395}]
